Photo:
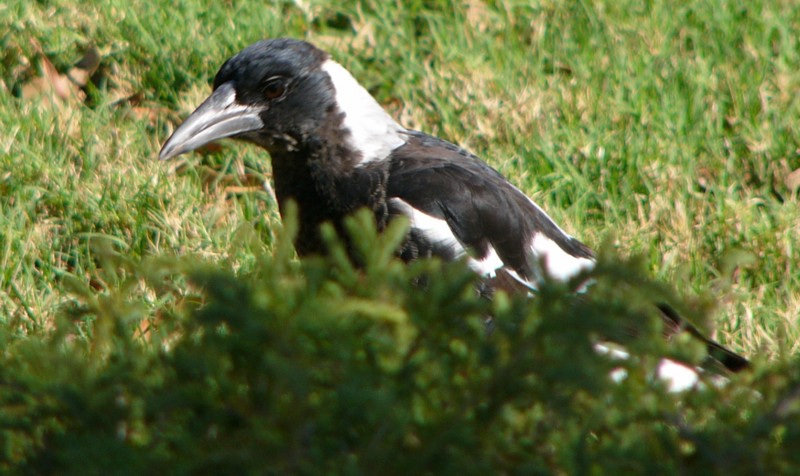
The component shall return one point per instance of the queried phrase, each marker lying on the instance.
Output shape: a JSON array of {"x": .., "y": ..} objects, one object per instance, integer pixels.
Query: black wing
[
  {"x": 482, "y": 209},
  {"x": 484, "y": 212}
]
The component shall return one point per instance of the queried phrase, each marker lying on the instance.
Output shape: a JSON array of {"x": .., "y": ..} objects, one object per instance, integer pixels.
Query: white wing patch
[
  {"x": 373, "y": 132},
  {"x": 434, "y": 229},
  {"x": 537, "y": 207},
  {"x": 439, "y": 232},
  {"x": 489, "y": 265},
  {"x": 557, "y": 263},
  {"x": 678, "y": 377}
]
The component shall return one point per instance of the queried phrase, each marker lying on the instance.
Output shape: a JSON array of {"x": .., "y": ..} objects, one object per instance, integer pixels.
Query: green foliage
[
  {"x": 315, "y": 366},
  {"x": 151, "y": 321}
]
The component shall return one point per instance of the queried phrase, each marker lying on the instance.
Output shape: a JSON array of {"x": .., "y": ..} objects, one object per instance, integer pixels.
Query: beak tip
[
  {"x": 166, "y": 153},
  {"x": 218, "y": 117},
  {"x": 171, "y": 149}
]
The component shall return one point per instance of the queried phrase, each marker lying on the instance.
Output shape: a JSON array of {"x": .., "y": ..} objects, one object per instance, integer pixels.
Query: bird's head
[
  {"x": 282, "y": 94},
  {"x": 269, "y": 90}
]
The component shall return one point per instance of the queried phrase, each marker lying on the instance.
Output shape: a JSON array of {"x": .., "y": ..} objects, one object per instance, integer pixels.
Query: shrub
[{"x": 314, "y": 366}]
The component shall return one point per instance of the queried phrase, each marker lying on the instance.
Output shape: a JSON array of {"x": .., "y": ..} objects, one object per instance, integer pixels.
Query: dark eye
[{"x": 275, "y": 88}]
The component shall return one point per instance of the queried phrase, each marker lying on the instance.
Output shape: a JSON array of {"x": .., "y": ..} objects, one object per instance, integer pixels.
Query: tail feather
[
  {"x": 716, "y": 353},
  {"x": 719, "y": 357}
]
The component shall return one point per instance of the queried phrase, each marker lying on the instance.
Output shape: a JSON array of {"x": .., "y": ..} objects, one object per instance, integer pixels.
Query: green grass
[
  {"x": 668, "y": 129},
  {"x": 661, "y": 131}
]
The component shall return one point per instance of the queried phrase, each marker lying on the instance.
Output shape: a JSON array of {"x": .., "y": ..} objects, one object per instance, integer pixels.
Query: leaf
[
  {"x": 51, "y": 85},
  {"x": 83, "y": 70},
  {"x": 792, "y": 180}
]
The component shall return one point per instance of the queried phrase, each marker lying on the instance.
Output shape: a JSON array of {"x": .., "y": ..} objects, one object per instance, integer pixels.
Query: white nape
[{"x": 373, "y": 132}]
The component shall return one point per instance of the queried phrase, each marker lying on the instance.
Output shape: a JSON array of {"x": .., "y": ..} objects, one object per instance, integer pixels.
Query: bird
[{"x": 334, "y": 150}]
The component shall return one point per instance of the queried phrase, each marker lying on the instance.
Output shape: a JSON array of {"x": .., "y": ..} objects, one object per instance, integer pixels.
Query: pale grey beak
[{"x": 219, "y": 116}]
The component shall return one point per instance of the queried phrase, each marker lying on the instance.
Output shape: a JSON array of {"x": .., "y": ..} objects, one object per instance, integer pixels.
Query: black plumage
[
  {"x": 478, "y": 204},
  {"x": 335, "y": 150}
]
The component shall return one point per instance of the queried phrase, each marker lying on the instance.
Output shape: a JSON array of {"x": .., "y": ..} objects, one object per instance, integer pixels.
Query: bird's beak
[{"x": 219, "y": 116}]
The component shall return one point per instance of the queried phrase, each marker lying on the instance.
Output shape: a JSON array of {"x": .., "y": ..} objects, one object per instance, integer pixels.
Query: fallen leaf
[
  {"x": 150, "y": 113},
  {"x": 83, "y": 70},
  {"x": 51, "y": 84},
  {"x": 239, "y": 190},
  {"x": 478, "y": 15},
  {"x": 705, "y": 177},
  {"x": 139, "y": 109},
  {"x": 792, "y": 180}
]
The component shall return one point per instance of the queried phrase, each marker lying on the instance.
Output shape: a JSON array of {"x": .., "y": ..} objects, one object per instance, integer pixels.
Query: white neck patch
[{"x": 373, "y": 132}]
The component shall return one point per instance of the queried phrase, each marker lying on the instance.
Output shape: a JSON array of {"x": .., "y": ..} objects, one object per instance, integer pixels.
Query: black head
[
  {"x": 259, "y": 71},
  {"x": 272, "y": 93}
]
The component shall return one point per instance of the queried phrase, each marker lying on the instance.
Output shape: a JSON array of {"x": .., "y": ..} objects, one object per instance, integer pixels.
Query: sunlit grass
[{"x": 670, "y": 130}]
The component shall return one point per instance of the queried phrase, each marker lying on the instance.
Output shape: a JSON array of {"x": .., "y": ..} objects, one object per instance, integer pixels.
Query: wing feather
[{"x": 485, "y": 213}]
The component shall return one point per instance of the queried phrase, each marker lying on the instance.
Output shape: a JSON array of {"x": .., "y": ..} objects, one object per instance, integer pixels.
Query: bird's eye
[{"x": 275, "y": 88}]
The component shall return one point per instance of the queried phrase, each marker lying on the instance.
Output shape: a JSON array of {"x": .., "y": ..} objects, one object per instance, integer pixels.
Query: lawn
[{"x": 668, "y": 132}]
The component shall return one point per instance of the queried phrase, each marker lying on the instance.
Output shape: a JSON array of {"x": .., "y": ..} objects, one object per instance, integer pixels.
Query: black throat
[{"x": 323, "y": 175}]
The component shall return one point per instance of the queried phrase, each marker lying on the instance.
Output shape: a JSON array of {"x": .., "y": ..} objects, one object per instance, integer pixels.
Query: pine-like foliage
[{"x": 315, "y": 366}]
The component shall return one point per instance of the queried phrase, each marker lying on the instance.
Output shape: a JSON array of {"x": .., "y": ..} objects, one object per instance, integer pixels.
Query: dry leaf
[
  {"x": 52, "y": 84},
  {"x": 140, "y": 110},
  {"x": 83, "y": 70},
  {"x": 792, "y": 180},
  {"x": 236, "y": 190},
  {"x": 151, "y": 114},
  {"x": 478, "y": 15}
]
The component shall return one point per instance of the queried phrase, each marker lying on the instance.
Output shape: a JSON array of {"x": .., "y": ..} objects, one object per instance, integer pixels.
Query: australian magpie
[{"x": 334, "y": 150}]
